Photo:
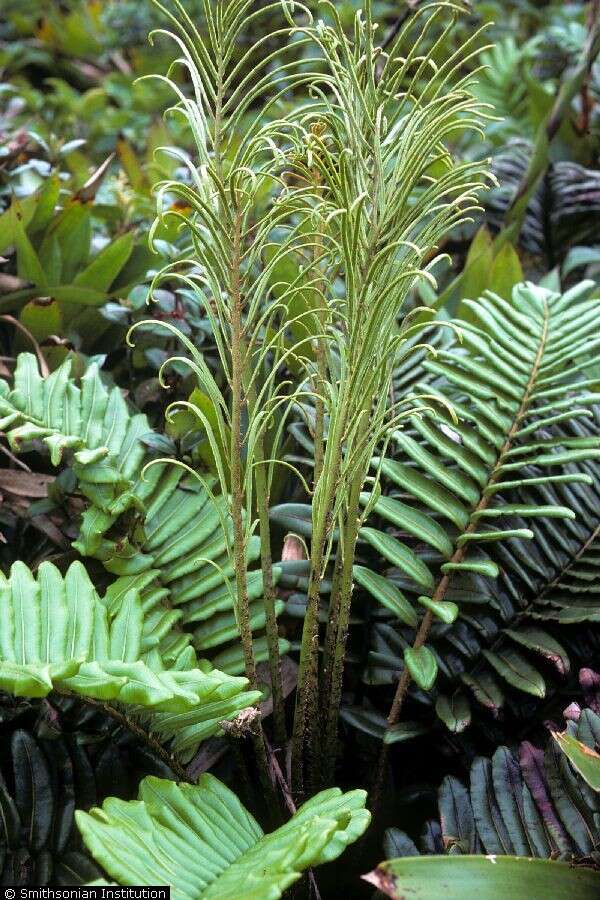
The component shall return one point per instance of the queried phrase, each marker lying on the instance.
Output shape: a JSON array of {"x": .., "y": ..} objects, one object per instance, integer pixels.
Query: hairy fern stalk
[{"x": 229, "y": 231}]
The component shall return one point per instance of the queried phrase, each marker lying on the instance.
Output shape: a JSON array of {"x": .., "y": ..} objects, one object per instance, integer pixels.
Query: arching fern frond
[
  {"x": 91, "y": 420},
  {"x": 513, "y": 385},
  {"x": 135, "y": 521}
]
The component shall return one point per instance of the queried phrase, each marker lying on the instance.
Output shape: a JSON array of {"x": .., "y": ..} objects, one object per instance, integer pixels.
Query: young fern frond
[
  {"x": 386, "y": 191},
  {"x": 226, "y": 212}
]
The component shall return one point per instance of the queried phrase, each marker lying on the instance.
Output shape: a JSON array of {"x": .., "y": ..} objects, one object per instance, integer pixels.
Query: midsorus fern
[
  {"x": 506, "y": 608},
  {"x": 133, "y": 523},
  {"x": 229, "y": 226},
  {"x": 517, "y": 390},
  {"x": 57, "y": 634}
]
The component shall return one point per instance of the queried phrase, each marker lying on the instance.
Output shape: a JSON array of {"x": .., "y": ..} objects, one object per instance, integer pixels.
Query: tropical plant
[
  {"x": 58, "y": 635},
  {"x": 534, "y": 804},
  {"x": 321, "y": 517},
  {"x": 60, "y": 756},
  {"x": 134, "y": 518},
  {"x": 204, "y": 843}
]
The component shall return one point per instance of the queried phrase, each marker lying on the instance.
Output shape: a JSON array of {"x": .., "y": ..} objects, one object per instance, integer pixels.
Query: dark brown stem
[{"x": 136, "y": 729}]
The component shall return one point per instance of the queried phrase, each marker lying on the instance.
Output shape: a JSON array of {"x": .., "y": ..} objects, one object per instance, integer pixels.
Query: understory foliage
[{"x": 300, "y": 417}]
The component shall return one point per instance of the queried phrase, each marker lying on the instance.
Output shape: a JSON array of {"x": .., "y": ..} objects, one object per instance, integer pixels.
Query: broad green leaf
[
  {"x": 476, "y": 272},
  {"x": 485, "y": 877},
  {"x": 104, "y": 268},
  {"x": 386, "y": 592},
  {"x": 399, "y": 555},
  {"x": 506, "y": 271},
  {"x": 584, "y": 759},
  {"x": 29, "y": 267}
]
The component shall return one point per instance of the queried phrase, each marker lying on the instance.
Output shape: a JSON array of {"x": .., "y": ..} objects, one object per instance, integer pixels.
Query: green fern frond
[
  {"x": 512, "y": 384},
  {"x": 57, "y": 634},
  {"x": 91, "y": 420},
  {"x": 201, "y": 840},
  {"x": 176, "y": 552}
]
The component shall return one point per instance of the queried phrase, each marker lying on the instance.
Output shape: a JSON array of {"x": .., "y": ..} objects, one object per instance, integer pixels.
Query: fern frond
[
  {"x": 176, "y": 552},
  {"x": 205, "y": 844},
  {"x": 57, "y": 634},
  {"x": 513, "y": 384},
  {"x": 531, "y": 803}
]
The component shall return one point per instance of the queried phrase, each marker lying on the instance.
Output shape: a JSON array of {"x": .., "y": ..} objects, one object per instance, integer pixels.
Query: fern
[
  {"x": 135, "y": 519},
  {"x": 436, "y": 482},
  {"x": 502, "y": 85},
  {"x": 92, "y": 421},
  {"x": 514, "y": 387},
  {"x": 519, "y": 617},
  {"x": 57, "y": 634},
  {"x": 201, "y": 841},
  {"x": 563, "y": 210},
  {"x": 529, "y": 804}
]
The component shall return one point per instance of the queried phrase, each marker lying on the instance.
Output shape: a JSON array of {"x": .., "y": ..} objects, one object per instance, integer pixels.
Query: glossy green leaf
[
  {"x": 399, "y": 555},
  {"x": 444, "y": 610},
  {"x": 584, "y": 759},
  {"x": 386, "y": 592},
  {"x": 422, "y": 665},
  {"x": 484, "y": 877},
  {"x": 104, "y": 268}
]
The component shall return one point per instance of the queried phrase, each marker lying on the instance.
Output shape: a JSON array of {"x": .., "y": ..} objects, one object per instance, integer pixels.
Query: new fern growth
[
  {"x": 359, "y": 185},
  {"x": 387, "y": 189}
]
